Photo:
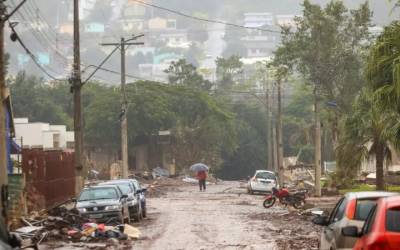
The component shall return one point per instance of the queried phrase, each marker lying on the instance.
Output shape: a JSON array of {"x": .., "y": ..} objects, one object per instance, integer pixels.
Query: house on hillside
[
  {"x": 259, "y": 43},
  {"x": 258, "y": 19}
]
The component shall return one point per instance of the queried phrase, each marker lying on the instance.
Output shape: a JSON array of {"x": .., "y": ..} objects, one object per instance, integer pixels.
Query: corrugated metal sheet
[{"x": 50, "y": 174}]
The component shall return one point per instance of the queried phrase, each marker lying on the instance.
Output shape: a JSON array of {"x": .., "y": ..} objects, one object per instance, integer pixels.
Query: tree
[
  {"x": 35, "y": 100},
  {"x": 366, "y": 133},
  {"x": 184, "y": 74},
  {"x": 326, "y": 47},
  {"x": 229, "y": 71}
]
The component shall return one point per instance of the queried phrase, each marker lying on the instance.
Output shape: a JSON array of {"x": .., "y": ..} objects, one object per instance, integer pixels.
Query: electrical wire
[
  {"x": 33, "y": 57},
  {"x": 203, "y": 19}
]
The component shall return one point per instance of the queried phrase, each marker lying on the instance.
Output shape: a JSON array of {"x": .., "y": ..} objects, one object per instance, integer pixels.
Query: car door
[{"x": 331, "y": 232}]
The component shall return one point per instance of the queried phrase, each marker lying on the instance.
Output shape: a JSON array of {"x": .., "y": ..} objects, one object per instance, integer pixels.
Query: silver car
[
  {"x": 351, "y": 210},
  {"x": 262, "y": 181}
]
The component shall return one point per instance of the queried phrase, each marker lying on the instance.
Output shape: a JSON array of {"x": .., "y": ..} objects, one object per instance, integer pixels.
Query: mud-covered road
[{"x": 224, "y": 217}]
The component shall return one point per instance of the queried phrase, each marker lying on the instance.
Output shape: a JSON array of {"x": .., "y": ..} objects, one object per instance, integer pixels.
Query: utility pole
[
  {"x": 76, "y": 88},
  {"x": 317, "y": 145},
  {"x": 279, "y": 134},
  {"x": 124, "y": 101},
  {"x": 3, "y": 134},
  {"x": 3, "y": 149},
  {"x": 124, "y": 110},
  {"x": 269, "y": 130}
]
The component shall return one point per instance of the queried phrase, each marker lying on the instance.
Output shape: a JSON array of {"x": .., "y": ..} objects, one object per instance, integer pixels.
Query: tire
[
  {"x": 121, "y": 218},
  {"x": 138, "y": 215},
  {"x": 269, "y": 202},
  {"x": 144, "y": 212},
  {"x": 298, "y": 204}
]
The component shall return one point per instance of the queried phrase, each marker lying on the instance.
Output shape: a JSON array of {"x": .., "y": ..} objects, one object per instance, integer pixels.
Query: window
[
  {"x": 369, "y": 221},
  {"x": 338, "y": 212},
  {"x": 265, "y": 175},
  {"x": 98, "y": 194},
  {"x": 363, "y": 208},
  {"x": 393, "y": 220}
]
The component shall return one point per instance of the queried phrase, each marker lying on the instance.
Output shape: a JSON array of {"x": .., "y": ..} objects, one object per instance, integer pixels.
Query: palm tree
[{"x": 366, "y": 133}]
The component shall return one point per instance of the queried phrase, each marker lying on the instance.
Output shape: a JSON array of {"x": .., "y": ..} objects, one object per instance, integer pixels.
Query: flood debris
[
  {"x": 60, "y": 224},
  {"x": 290, "y": 229}
]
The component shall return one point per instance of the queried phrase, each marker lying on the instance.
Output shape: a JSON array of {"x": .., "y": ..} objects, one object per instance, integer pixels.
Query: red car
[{"x": 381, "y": 229}]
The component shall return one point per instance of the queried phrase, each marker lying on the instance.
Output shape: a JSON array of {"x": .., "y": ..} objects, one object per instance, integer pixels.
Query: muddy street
[{"x": 224, "y": 217}]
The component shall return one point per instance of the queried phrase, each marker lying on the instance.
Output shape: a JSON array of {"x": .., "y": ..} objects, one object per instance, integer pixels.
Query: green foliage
[
  {"x": 229, "y": 71},
  {"x": 37, "y": 101},
  {"x": 365, "y": 133},
  {"x": 184, "y": 74},
  {"x": 251, "y": 153},
  {"x": 326, "y": 47}
]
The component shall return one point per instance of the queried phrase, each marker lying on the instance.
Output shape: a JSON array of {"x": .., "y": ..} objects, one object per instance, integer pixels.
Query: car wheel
[
  {"x": 144, "y": 212},
  {"x": 138, "y": 214}
]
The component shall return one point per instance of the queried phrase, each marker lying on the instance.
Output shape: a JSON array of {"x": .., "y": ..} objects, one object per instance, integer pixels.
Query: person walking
[{"x": 202, "y": 177}]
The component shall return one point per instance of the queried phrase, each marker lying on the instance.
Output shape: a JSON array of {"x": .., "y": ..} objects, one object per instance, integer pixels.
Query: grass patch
[{"x": 366, "y": 187}]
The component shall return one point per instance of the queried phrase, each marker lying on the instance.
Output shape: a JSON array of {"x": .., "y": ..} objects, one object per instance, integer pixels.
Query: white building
[
  {"x": 258, "y": 20},
  {"x": 43, "y": 135}
]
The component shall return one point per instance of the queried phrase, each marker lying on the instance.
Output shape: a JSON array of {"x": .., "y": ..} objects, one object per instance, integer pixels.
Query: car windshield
[
  {"x": 98, "y": 194},
  {"x": 265, "y": 175},
  {"x": 393, "y": 220},
  {"x": 125, "y": 187},
  {"x": 363, "y": 208}
]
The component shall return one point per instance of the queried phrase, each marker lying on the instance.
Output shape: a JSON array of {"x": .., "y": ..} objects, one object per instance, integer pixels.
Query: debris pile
[
  {"x": 66, "y": 225},
  {"x": 292, "y": 230}
]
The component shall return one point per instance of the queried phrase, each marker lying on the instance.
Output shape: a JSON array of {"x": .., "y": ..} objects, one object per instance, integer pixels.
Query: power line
[
  {"x": 204, "y": 19},
  {"x": 33, "y": 57}
]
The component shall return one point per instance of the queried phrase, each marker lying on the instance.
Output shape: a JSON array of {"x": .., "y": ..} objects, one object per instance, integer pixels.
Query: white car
[{"x": 262, "y": 181}]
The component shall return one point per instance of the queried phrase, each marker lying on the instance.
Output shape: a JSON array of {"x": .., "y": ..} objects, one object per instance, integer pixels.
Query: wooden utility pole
[
  {"x": 76, "y": 88},
  {"x": 279, "y": 135},
  {"x": 124, "y": 102},
  {"x": 270, "y": 164},
  {"x": 317, "y": 145},
  {"x": 3, "y": 149},
  {"x": 124, "y": 110}
]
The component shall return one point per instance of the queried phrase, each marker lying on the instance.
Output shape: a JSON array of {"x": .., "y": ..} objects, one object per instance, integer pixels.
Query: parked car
[
  {"x": 262, "y": 181},
  {"x": 142, "y": 195},
  {"x": 134, "y": 204},
  {"x": 351, "y": 210},
  {"x": 382, "y": 227},
  {"x": 103, "y": 203}
]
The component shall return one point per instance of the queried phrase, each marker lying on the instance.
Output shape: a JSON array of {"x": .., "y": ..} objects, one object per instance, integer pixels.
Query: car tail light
[{"x": 351, "y": 209}]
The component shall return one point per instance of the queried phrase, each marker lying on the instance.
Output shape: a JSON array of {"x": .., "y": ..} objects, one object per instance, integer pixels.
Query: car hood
[{"x": 92, "y": 203}]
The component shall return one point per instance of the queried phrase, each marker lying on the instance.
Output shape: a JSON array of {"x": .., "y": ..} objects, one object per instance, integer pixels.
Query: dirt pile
[
  {"x": 290, "y": 229},
  {"x": 161, "y": 185}
]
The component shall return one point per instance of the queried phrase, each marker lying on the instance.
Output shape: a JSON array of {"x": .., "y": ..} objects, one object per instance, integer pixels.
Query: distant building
[
  {"x": 42, "y": 135},
  {"x": 258, "y": 20},
  {"x": 260, "y": 43},
  {"x": 375, "y": 31},
  {"x": 159, "y": 23},
  {"x": 285, "y": 20}
]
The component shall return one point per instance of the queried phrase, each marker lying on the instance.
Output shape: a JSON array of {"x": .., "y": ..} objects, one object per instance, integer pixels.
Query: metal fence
[{"x": 49, "y": 175}]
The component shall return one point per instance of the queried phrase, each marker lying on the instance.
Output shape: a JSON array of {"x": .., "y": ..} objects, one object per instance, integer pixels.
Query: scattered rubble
[
  {"x": 290, "y": 229},
  {"x": 60, "y": 224}
]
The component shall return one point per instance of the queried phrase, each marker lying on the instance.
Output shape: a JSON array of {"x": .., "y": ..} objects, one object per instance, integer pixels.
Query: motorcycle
[{"x": 295, "y": 199}]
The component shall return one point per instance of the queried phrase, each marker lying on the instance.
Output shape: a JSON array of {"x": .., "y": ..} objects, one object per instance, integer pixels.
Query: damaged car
[{"x": 103, "y": 204}]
